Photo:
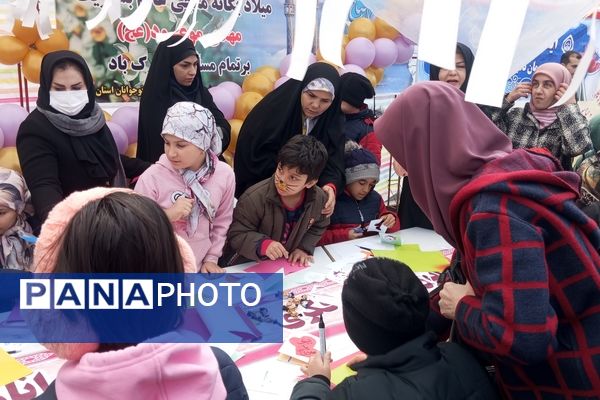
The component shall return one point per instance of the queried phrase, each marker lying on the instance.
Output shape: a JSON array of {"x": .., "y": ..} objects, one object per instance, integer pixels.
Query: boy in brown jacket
[{"x": 280, "y": 217}]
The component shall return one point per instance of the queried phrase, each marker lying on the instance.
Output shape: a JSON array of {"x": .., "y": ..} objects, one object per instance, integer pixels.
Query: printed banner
[{"x": 262, "y": 36}]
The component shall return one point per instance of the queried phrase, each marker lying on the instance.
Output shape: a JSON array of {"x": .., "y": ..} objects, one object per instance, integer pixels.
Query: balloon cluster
[
  {"x": 123, "y": 125},
  {"x": 11, "y": 116},
  {"x": 370, "y": 46},
  {"x": 28, "y": 48}
]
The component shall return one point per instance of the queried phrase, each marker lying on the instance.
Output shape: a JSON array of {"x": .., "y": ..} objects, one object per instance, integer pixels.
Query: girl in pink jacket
[{"x": 190, "y": 183}]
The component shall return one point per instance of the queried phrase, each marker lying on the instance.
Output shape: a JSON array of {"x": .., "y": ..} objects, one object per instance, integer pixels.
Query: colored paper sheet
[
  {"x": 418, "y": 261},
  {"x": 272, "y": 266},
  {"x": 340, "y": 373},
  {"x": 11, "y": 369}
]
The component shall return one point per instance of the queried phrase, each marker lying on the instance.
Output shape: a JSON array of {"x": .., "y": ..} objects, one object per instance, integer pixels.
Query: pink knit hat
[{"x": 48, "y": 243}]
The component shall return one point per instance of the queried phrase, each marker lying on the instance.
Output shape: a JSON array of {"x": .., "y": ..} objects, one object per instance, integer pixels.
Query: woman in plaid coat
[{"x": 532, "y": 301}]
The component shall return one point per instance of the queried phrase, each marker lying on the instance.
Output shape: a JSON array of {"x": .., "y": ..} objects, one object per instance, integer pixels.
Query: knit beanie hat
[
  {"x": 360, "y": 163},
  {"x": 384, "y": 305},
  {"x": 355, "y": 88}
]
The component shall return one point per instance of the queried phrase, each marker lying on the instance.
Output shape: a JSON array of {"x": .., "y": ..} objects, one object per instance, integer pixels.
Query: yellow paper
[
  {"x": 11, "y": 369},
  {"x": 340, "y": 373},
  {"x": 417, "y": 260}
]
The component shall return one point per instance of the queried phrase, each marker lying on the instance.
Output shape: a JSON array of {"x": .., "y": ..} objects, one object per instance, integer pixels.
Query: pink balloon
[
  {"x": 11, "y": 116},
  {"x": 360, "y": 51},
  {"x": 285, "y": 63},
  {"x": 405, "y": 50},
  {"x": 353, "y": 68},
  {"x": 127, "y": 118},
  {"x": 1, "y": 138},
  {"x": 386, "y": 52},
  {"x": 280, "y": 81},
  {"x": 119, "y": 135},
  {"x": 224, "y": 100},
  {"x": 233, "y": 88}
]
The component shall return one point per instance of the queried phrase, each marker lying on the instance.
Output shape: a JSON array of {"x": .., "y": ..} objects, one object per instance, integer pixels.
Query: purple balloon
[
  {"x": 119, "y": 135},
  {"x": 285, "y": 63},
  {"x": 360, "y": 51},
  {"x": 224, "y": 100},
  {"x": 405, "y": 50},
  {"x": 280, "y": 81},
  {"x": 11, "y": 116},
  {"x": 1, "y": 138},
  {"x": 233, "y": 88},
  {"x": 353, "y": 68},
  {"x": 386, "y": 52},
  {"x": 127, "y": 118}
]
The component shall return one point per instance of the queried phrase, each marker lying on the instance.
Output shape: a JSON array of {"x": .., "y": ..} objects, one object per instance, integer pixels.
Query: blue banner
[{"x": 135, "y": 308}]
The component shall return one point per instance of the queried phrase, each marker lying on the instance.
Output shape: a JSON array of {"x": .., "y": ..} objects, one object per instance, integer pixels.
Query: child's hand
[
  {"x": 318, "y": 366},
  {"x": 388, "y": 220},
  {"x": 301, "y": 257},
  {"x": 180, "y": 209},
  {"x": 211, "y": 268},
  {"x": 276, "y": 250},
  {"x": 352, "y": 234},
  {"x": 360, "y": 357}
]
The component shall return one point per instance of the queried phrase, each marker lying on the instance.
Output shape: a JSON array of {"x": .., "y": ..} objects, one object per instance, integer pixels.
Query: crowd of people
[{"x": 521, "y": 306}]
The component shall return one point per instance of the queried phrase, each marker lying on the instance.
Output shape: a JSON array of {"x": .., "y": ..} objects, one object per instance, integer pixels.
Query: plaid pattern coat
[
  {"x": 532, "y": 258},
  {"x": 567, "y": 137}
]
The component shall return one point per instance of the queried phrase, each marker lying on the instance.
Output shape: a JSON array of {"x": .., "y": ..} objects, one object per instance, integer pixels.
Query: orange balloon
[
  {"x": 131, "y": 150},
  {"x": 28, "y": 35},
  {"x": 371, "y": 76},
  {"x": 228, "y": 158},
  {"x": 257, "y": 82},
  {"x": 385, "y": 30},
  {"x": 345, "y": 40},
  {"x": 32, "y": 65},
  {"x": 236, "y": 125},
  {"x": 57, "y": 41},
  {"x": 361, "y": 27},
  {"x": 245, "y": 103},
  {"x": 10, "y": 159},
  {"x": 270, "y": 72},
  {"x": 378, "y": 73},
  {"x": 12, "y": 50}
]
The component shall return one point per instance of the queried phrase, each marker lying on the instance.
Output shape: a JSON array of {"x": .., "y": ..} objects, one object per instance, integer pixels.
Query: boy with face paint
[
  {"x": 280, "y": 217},
  {"x": 561, "y": 130}
]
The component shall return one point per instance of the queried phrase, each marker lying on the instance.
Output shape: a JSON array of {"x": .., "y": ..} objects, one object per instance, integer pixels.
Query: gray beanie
[{"x": 360, "y": 163}]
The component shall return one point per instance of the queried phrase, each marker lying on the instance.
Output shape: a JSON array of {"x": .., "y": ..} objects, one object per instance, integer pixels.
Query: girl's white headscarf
[{"x": 195, "y": 124}]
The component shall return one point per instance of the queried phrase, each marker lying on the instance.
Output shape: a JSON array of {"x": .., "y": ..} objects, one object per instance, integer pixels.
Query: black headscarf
[
  {"x": 278, "y": 117},
  {"x": 161, "y": 91},
  {"x": 434, "y": 71},
  {"x": 97, "y": 152}
]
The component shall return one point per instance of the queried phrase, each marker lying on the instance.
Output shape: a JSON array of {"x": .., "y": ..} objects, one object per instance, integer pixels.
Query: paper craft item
[
  {"x": 417, "y": 260},
  {"x": 376, "y": 226},
  {"x": 391, "y": 238},
  {"x": 272, "y": 266},
  {"x": 300, "y": 347},
  {"x": 11, "y": 369},
  {"x": 340, "y": 373}
]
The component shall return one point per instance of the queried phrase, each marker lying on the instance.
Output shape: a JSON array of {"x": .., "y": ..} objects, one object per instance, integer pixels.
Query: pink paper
[{"x": 272, "y": 266}]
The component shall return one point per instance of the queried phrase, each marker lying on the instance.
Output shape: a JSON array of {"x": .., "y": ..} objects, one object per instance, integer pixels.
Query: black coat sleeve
[
  {"x": 133, "y": 166},
  {"x": 39, "y": 163}
]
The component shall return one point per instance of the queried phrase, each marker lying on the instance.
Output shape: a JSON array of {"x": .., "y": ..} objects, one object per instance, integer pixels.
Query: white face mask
[{"x": 69, "y": 102}]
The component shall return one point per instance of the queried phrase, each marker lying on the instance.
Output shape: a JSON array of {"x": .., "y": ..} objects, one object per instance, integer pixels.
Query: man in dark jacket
[{"x": 385, "y": 307}]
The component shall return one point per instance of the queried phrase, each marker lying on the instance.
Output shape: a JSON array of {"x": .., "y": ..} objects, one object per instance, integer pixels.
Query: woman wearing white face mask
[{"x": 64, "y": 145}]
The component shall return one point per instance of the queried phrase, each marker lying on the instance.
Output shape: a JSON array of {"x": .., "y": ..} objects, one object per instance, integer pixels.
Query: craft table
[{"x": 267, "y": 375}]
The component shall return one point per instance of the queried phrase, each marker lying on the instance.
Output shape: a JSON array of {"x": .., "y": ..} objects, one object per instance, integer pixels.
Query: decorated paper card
[{"x": 300, "y": 347}]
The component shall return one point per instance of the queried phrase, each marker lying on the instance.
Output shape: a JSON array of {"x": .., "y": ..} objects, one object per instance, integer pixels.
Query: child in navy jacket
[{"x": 360, "y": 203}]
